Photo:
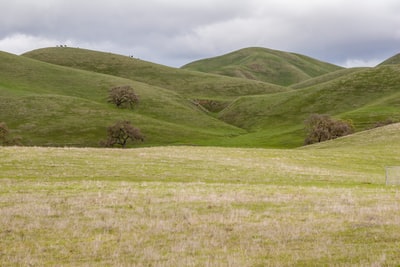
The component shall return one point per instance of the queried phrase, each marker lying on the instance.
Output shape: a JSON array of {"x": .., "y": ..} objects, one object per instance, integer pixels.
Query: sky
[{"x": 175, "y": 32}]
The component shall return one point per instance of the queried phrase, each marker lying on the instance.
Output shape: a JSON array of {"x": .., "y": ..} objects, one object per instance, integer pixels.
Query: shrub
[
  {"x": 322, "y": 128},
  {"x": 5, "y": 138},
  {"x": 3, "y": 132},
  {"x": 120, "y": 133}
]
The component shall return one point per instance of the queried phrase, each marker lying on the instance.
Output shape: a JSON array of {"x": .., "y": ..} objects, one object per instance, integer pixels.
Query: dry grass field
[{"x": 198, "y": 206}]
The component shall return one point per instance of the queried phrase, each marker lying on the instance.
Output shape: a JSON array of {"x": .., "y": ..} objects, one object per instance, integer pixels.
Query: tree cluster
[
  {"x": 322, "y": 128},
  {"x": 123, "y": 96},
  {"x": 122, "y": 132}
]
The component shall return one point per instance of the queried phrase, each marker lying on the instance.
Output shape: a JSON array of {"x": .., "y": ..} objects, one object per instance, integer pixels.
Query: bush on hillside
[
  {"x": 382, "y": 123},
  {"x": 123, "y": 96},
  {"x": 120, "y": 133},
  {"x": 5, "y": 138},
  {"x": 322, "y": 128},
  {"x": 3, "y": 131}
]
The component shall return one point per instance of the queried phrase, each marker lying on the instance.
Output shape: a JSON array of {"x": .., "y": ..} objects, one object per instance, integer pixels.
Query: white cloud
[
  {"x": 174, "y": 32},
  {"x": 19, "y": 43},
  {"x": 351, "y": 63}
]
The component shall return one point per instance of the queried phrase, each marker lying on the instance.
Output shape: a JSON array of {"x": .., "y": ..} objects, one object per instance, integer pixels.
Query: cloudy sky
[{"x": 176, "y": 32}]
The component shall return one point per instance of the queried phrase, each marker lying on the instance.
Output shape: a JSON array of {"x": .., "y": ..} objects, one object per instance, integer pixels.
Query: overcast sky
[{"x": 176, "y": 32}]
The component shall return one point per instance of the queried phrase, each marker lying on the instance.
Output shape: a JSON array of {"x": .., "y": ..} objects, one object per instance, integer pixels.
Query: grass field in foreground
[{"x": 199, "y": 206}]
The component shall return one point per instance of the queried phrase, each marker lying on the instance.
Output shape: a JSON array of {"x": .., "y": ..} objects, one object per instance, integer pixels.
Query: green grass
[
  {"x": 202, "y": 206},
  {"x": 325, "y": 78},
  {"x": 265, "y": 65}
]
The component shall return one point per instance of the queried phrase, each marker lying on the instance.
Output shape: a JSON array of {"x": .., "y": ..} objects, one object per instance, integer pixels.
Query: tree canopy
[
  {"x": 123, "y": 96},
  {"x": 121, "y": 132},
  {"x": 322, "y": 127}
]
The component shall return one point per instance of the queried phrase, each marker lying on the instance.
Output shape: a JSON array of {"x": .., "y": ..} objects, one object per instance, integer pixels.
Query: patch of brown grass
[{"x": 196, "y": 224}]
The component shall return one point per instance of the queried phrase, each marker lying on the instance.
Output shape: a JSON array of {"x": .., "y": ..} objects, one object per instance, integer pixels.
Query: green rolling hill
[
  {"x": 365, "y": 97},
  {"x": 190, "y": 84},
  {"x": 58, "y": 97},
  {"x": 51, "y": 105},
  {"x": 265, "y": 65}
]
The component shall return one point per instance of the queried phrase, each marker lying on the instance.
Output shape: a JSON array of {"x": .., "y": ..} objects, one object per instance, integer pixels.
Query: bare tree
[
  {"x": 322, "y": 128},
  {"x": 121, "y": 132},
  {"x": 123, "y": 96}
]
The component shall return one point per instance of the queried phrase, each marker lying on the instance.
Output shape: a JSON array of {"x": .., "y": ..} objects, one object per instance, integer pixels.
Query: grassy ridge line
[
  {"x": 263, "y": 64},
  {"x": 188, "y": 83},
  {"x": 394, "y": 60},
  {"x": 325, "y": 78},
  {"x": 47, "y": 104}
]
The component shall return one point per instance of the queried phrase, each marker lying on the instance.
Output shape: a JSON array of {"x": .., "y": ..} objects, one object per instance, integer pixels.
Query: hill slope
[
  {"x": 391, "y": 61},
  {"x": 46, "y": 104},
  {"x": 325, "y": 78},
  {"x": 366, "y": 97},
  {"x": 265, "y": 65},
  {"x": 187, "y": 83}
]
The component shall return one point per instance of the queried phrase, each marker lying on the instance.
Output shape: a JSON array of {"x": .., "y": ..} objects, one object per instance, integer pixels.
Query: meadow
[{"x": 323, "y": 205}]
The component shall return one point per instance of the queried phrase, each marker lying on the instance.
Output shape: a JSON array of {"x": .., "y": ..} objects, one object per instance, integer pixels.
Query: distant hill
[
  {"x": 188, "y": 83},
  {"x": 265, "y": 65},
  {"x": 391, "y": 61}
]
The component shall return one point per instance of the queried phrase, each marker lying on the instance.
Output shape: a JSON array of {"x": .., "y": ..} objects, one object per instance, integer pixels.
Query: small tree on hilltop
[
  {"x": 123, "y": 96},
  {"x": 121, "y": 132},
  {"x": 322, "y": 128}
]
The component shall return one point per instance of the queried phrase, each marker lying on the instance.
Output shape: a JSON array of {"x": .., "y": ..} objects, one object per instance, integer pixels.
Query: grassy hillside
[
  {"x": 61, "y": 99},
  {"x": 366, "y": 97},
  {"x": 322, "y": 205},
  {"x": 263, "y": 64},
  {"x": 187, "y": 83},
  {"x": 391, "y": 61},
  {"x": 47, "y": 104},
  {"x": 325, "y": 78}
]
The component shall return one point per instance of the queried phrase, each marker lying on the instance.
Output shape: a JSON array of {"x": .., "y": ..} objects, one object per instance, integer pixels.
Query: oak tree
[
  {"x": 122, "y": 132},
  {"x": 123, "y": 96},
  {"x": 321, "y": 128}
]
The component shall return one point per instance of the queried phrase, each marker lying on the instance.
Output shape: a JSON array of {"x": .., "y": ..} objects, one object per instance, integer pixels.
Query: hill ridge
[
  {"x": 267, "y": 65},
  {"x": 394, "y": 60},
  {"x": 189, "y": 83}
]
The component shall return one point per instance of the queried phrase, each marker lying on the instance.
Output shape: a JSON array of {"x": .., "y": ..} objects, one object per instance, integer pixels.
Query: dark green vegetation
[{"x": 58, "y": 96}]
